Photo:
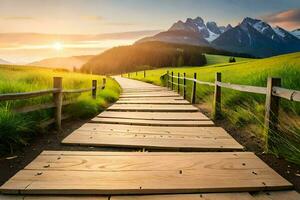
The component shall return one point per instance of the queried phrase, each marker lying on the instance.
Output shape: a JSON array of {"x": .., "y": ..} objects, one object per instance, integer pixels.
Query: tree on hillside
[
  {"x": 135, "y": 57},
  {"x": 180, "y": 61},
  {"x": 232, "y": 60}
]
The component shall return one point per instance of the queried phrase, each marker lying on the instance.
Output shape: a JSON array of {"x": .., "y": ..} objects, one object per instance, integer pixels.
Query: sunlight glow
[{"x": 57, "y": 46}]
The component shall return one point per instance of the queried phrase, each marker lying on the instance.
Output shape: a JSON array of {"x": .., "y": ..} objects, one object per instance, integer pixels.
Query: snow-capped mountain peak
[
  {"x": 251, "y": 36},
  {"x": 296, "y": 32},
  {"x": 209, "y": 31},
  {"x": 276, "y": 34},
  {"x": 279, "y": 31}
]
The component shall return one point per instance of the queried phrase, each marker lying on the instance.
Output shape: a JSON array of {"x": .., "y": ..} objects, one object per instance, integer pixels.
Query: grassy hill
[
  {"x": 217, "y": 59},
  {"x": 63, "y": 62},
  {"x": 18, "y": 128},
  {"x": 245, "y": 110},
  {"x": 151, "y": 55}
]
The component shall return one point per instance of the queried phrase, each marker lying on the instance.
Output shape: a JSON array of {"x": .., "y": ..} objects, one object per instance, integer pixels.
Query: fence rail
[
  {"x": 273, "y": 93},
  {"x": 26, "y": 95},
  {"x": 57, "y": 103},
  {"x": 292, "y": 95},
  {"x": 243, "y": 88}
]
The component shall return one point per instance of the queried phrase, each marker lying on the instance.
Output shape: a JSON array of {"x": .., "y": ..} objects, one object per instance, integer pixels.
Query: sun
[{"x": 57, "y": 46}]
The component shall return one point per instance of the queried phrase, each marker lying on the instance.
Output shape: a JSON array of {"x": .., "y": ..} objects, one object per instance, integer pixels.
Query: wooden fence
[
  {"x": 136, "y": 73},
  {"x": 57, "y": 91},
  {"x": 273, "y": 93}
]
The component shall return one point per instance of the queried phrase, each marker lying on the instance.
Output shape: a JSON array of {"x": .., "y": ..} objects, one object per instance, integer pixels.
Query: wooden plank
[
  {"x": 189, "y": 138},
  {"x": 168, "y": 130},
  {"x": 150, "y": 122},
  {"x": 193, "y": 116},
  {"x": 278, "y": 195},
  {"x": 52, "y": 197},
  {"x": 153, "y": 101},
  {"x": 163, "y": 174},
  {"x": 148, "y": 89},
  {"x": 202, "y": 196},
  {"x": 152, "y": 98},
  {"x": 115, "y": 162},
  {"x": 152, "y": 142},
  {"x": 138, "y": 91},
  {"x": 162, "y": 94},
  {"x": 153, "y": 108}
]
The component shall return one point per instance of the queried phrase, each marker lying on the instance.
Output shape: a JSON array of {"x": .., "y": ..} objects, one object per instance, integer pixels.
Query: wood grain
[
  {"x": 203, "y": 172},
  {"x": 153, "y": 108},
  {"x": 153, "y": 101},
  {"x": 280, "y": 195},
  {"x": 193, "y": 116},
  {"x": 150, "y": 122},
  {"x": 188, "y": 138}
]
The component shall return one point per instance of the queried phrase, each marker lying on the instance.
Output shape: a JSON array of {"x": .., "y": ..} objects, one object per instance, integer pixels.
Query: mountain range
[
  {"x": 251, "y": 36},
  {"x": 63, "y": 62},
  {"x": 296, "y": 32},
  {"x": 4, "y": 62}
]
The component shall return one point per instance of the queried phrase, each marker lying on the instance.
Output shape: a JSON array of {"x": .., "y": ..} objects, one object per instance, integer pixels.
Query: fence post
[
  {"x": 94, "y": 90},
  {"x": 193, "y": 97},
  {"x": 184, "y": 86},
  {"x": 103, "y": 83},
  {"x": 128, "y": 75},
  {"x": 57, "y": 98},
  {"x": 172, "y": 79},
  {"x": 217, "y": 97},
  {"x": 271, "y": 111},
  {"x": 178, "y": 82},
  {"x": 136, "y": 73},
  {"x": 168, "y": 78},
  {"x": 144, "y": 73}
]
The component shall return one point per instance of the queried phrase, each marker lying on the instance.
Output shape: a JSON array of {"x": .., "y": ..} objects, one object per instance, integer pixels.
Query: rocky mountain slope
[{"x": 251, "y": 36}]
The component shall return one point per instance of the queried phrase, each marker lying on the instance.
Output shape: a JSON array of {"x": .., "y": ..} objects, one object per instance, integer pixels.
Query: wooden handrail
[
  {"x": 273, "y": 93},
  {"x": 204, "y": 83},
  {"x": 57, "y": 103},
  {"x": 243, "y": 88},
  {"x": 182, "y": 85},
  {"x": 32, "y": 108},
  {"x": 292, "y": 95},
  {"x": 78, "y": 90},
  {"x": 26, "y": 95}
]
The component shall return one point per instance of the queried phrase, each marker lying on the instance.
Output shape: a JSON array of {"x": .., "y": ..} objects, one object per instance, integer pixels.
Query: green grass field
[
  {"x": 217, "y": 59},
  {"x": 245, "y": 110},
  {"x": 16, "y": 129}
]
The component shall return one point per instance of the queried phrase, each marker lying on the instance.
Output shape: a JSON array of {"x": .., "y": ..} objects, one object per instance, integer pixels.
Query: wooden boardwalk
[{"x": 149, "y": 117}]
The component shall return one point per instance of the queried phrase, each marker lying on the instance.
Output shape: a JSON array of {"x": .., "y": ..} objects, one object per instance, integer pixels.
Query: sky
[{"x": 92, "y": 17}]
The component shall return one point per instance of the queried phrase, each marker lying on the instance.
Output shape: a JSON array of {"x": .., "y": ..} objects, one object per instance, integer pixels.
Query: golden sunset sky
[{"x": 36, "y": 29}]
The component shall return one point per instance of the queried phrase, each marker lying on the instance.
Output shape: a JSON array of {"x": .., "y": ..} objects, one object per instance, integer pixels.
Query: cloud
[
  {"x": 92, "y": 17},
  {"x": 17, "y": 18},
  {"x": 120, "y": 24},
  {"x": 288, "y": 19},
  {"x": 104, "y": 21}
]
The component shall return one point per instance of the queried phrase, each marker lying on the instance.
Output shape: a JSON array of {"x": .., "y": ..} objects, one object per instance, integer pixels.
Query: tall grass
[
  {"x": 245, "y": 110},
  {"x": 17, "y": 129}
]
